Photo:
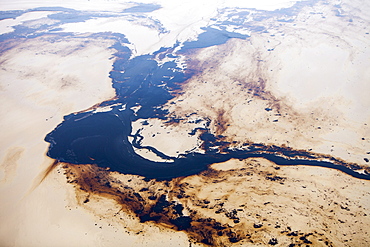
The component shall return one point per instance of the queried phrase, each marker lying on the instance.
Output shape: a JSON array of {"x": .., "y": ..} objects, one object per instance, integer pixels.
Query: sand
[
  {"x": 6, "y": 25},
  {"x": 314, "y": 82},
  {"x": 324, "y": 110},
  {"x": 41, "y": 82}
]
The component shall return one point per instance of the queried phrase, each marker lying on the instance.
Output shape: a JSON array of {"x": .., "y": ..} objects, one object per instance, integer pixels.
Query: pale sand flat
[
  {"x": 64, "y": 78},
  {"x": 40, "y": 83}
]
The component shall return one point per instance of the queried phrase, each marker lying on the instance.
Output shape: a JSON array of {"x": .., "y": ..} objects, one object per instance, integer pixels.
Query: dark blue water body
[
  {"x": 212, "y": 37},
  {"x": 142, "y": 8},
  {"x": 11, "y": 14},
  {"x": 71, "y": 16},
  {"x": 24, "y": 32},
  {"x": 51, "y": 9},
  {"x": 102, "y": 138},
  {"x": 145, "y": 83},
  {"x": 15, "y": 13},
  {"x": 74, "y": 16},
  {"x": 65, "y": 15},
  {"x": 240, "y": 17}
]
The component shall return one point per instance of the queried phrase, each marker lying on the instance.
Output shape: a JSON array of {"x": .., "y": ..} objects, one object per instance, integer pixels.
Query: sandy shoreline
[
  {"x": 40, "y": 85},
  {"x": 313, "y": 82},
  {"x": 323, "y": 110}
]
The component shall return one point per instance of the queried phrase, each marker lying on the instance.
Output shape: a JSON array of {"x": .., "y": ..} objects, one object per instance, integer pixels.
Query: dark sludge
[{"x": 102, "y": 139}]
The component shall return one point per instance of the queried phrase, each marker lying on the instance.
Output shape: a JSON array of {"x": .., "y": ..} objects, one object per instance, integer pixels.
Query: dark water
[
  {"x": 212, "y": 37},
  {"x": 10, "y": 14},
  {"x": 142, "y": 8},
  {"x": 102, "y": 138},
  {"x": 66, "y": 15}
]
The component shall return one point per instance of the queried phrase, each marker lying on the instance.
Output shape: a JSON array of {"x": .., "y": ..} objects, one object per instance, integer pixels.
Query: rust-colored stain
[
  {"x": 253, "y": 201},
  {"x": 181, "y": 205},
  {"x": 10, "y": 163},
  {"x": 177, "y": 204}
]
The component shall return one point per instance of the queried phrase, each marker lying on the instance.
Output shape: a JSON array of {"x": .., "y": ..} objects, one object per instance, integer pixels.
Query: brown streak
[{"x": 42, "y": 176}]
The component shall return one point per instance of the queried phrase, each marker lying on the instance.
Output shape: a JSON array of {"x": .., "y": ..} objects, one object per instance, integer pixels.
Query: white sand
[
  {"x": 93, "y": 5},
  {"x": 181, "y": 19},
  {"x": 142, "y": 37},
  {"x": 170, "y": 140},
  {"x": 40, "y": 83},
  {"x": 314, "y": 79},
  {"x": 6, "y": 25},
  {"x": 99, "y": 5}
]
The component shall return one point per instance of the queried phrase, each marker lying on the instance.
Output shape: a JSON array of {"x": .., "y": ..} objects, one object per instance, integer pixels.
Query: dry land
[{"x": 303, "y": 84}]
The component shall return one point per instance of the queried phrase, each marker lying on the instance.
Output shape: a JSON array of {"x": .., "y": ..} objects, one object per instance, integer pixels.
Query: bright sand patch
[
  {"x": 299, "y": 84},
  {"x": 180, "y": 20},
  {"x": 41, "y": 81}
]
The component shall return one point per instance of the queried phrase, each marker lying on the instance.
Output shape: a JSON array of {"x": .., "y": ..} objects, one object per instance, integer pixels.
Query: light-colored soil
[{"x": 311, "y": 74}]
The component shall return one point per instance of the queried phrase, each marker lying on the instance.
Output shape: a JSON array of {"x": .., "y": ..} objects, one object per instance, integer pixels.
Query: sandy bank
[{"x": 43, "y": 80}]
